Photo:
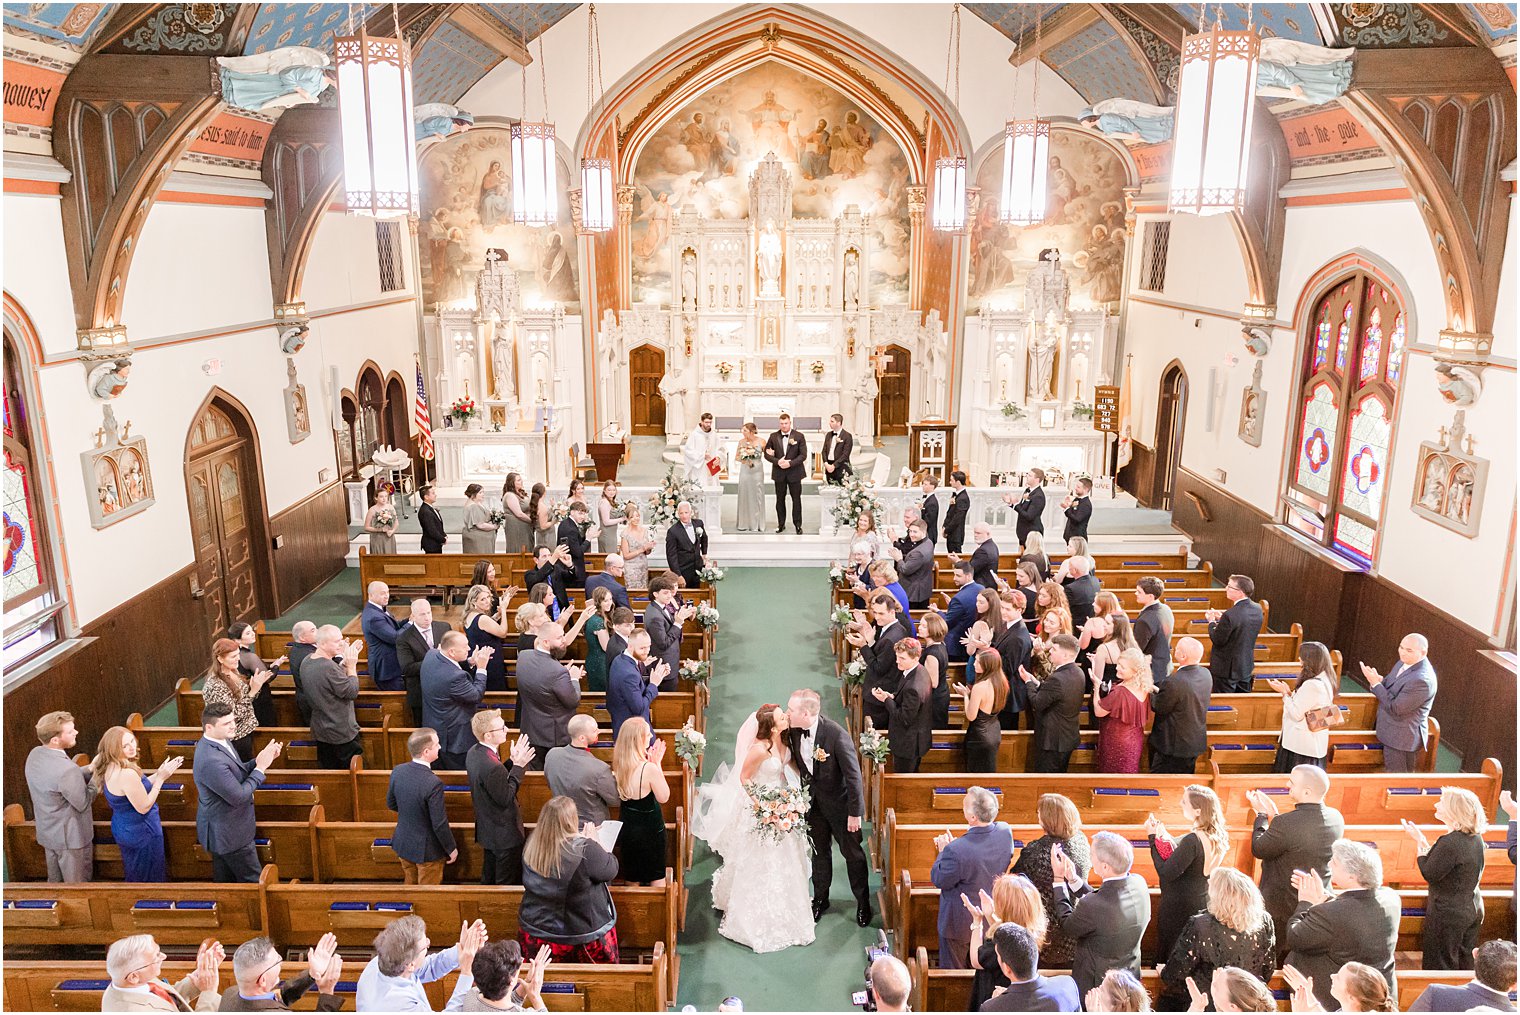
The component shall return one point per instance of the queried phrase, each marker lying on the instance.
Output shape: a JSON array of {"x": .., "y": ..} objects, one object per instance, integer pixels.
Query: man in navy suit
[
  {"x": 380, "y": 633},
  {"x": 633, "y": 682},
  {"x": 1493, "y": 979},
  {"x": 610, "y": 578},
  {"x": 452, "y": 686},
  {"x": 1018, "y": 956},
  {"x": 1404, "y": 699},
  {"x": 967, "y": 867},
  {"x": 422, "y": 838},
  {"x": 224, "y": 784},
  {"x": 961, "y": 613},
  {"x": 1232, "y": 658}
]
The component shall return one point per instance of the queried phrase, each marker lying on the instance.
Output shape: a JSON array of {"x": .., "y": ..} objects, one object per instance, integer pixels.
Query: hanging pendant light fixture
[
  {"x": 535, "y": 175},
  {"x": 948, "y": 213},
  {"x": 1026, "y": 152},
  {"x": 597, "y": 211},
  {"x": 375, "y": 111},
  {"x": 1215, "y": 106}
]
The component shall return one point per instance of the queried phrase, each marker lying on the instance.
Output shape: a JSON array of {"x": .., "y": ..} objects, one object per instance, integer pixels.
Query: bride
[{"x": 762, "y": 888}]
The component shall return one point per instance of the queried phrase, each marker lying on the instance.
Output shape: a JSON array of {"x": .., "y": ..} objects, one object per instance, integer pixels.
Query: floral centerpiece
[
  {"x": 464, "y": 410},
  {"x": 816, "y": 368},
  {"x": 662, "y": 503},
  {"x": 1013, "y": 410},
  {"x": 873, "y": 744},
  {"x": 839, "y": 575},
  {"x": 706, "y": 616},
  {"x": 724, "y": 369},
  {"x": 711, "y": 573},
  {"x": 690, "y": 745},
  {"x": 748, "y": 453},
  {"x": 855, "y": 672},
  {"x": 855, "y": 498},
  {"x": 1081, "y": 410},
  {"x": 696, "y": 670},
  {"x": 840, "y": 617},
  {"x": 779, "y": 810}
]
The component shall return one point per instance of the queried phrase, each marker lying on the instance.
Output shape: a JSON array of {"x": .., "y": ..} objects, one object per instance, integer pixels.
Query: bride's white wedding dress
[{"x": 763, "y": 886}]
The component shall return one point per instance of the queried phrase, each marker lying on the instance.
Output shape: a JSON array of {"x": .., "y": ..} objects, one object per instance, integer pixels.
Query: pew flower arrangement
[
  {"x": 696, "y": 670},
  {"x": 873, "y": 744},
  {"x": 662, "y": 503},
  {"x": 855, "y": 498},
  {"x": 706, "y": 616},
  {"x": 779, "y": 810},
  {"x": 840, "y": 617},
  {"x": 854, "y": 672},
  {"x": 838, "y": 576},
  {"x": 711, "y": 573},
  {"x": 690, "y": 746}
]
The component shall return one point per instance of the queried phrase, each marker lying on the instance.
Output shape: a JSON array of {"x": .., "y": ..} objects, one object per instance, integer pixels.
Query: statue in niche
[
  {"x": 688, "y": 279},
  {"x": 768, "y": 260},
  {"x": 1253, "y": 402},
  {"x": 297, "y": 408},
  {"x": 866, "y": 391},
  {"x": 673, "y": 389},
  {"x": 851, "y": 280},
  {"x": 932, "y": 345},
  {"x": 504, "y": 364},
  {"x": 1042, "y": 362}
]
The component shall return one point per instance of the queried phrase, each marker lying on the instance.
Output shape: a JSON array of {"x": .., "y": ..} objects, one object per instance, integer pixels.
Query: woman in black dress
[
  {"x": 1029, "y": 579},
  {"x": 936, "y": 662},
  {"x": 250, "y": 664},
  {"x": 1234, "y": 931},
  {"x": 1183, "y": 865},
  {"x": 1014, "y": 899},
  {"x": 984, "y": 700},
  {"x": 1452, "y": 867},
  {"x": 641, "y": 784},
  {"x": 1062, "y": 824},
  {"x": 485, "y": 629},
  {"x": 1034, "y": 553},
  {"x": 1013, "y": 647}
]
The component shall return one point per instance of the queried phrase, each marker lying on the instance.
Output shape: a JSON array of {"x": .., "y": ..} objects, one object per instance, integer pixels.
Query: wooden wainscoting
[
  {"x": 1139, "y": 476},
  {"x": 316, "y": 543},
  {"x": 1225, "y": 529}
]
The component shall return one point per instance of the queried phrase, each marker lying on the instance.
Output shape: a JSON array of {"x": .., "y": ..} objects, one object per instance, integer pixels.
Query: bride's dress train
[{"x": 763, "y": 887}]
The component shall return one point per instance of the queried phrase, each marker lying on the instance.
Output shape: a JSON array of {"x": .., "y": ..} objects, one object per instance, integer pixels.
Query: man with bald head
[
  {"x": 453, "y": 683},
  {"x": 548, "y": 693},
  {"x": 1299, "y": 840},
  {"x": 380, "y": 633},
  {"x": 1179, "y": 733},
  {"x": 332, "y": 685},
  {"x": 418, "y": 637},
  {"x": 573, "y": 771},
  {"x": 1404, "y": 699},
  {"x": 303, "y": 642}
]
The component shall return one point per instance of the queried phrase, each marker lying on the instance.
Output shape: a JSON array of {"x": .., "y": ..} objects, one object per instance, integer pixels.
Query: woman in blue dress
[
  {"x": 489, "y": 630},
  {"x": 291, "y": 76},
  {"x": 134, "y": 803},
  {"x": 1290, "y": 69}
]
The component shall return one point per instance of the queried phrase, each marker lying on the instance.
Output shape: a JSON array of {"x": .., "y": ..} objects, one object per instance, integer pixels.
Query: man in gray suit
[
  {"x": 1404, "y": 700},
  {"x": 1106, "y": 924},
  {"x": 663, "y": 619},
  {"x": 1493, "y": 979},
  {"x": 61, "y": 795},
  {"x": 575, "y": 772},
  {"x": 915, "y": 568},
  {"x": 224, "y": 821},
  {"x": 548, "y": 693}
]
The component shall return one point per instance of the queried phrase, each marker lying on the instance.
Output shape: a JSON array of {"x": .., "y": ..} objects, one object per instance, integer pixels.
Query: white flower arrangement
[
  {"x": 855, "y": 672},
  {"x": 663, "y": 502},
  {"x": 706, "y": 616},
  {"x": 873, "y": 744},
  {"x": 840, "y": 617},
  {"x": 711, "y": 574},
  {"x": 855, "y": 499},
  {"x": 559, "y": 510},
  {"x": 690, "y": 745},
  {"x": 696, "y": 670}
]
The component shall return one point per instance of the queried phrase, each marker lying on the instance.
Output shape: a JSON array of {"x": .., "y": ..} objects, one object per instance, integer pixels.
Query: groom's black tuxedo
[{"x": 837, "y": 795}]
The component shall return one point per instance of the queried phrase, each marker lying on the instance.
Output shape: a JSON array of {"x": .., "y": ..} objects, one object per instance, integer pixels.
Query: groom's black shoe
[
  {"x": 819, "y": 908},
  {"x": 780, "y": 529},
  {"x": 863, "y": 914}
]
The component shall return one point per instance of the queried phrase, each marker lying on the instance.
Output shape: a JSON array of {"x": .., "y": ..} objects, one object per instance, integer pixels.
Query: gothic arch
[{"x": 1332, "y": 271}]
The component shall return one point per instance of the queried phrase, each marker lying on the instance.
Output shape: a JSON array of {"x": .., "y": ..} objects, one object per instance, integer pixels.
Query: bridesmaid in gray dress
[
  {"x": 479, "y": 533},
  {"x": 751, "y": 484},
  {"x": 608, "y": 513},
  {"x": 636, "y": 544},
  {"x": 538, "y": 511},
  {"x": 380, "y": 523},
  {"x": 517, "y": 529}
]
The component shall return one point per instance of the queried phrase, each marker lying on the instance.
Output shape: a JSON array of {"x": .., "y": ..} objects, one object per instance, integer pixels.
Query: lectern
[
  {"x": 607, "y": 458},
  {"x": 931, "y": 447}
]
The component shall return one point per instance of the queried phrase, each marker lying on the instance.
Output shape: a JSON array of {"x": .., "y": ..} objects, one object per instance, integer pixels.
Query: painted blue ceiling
[
  {"x": 450, "y": 62},
  {"x": 1099, "y": 65},
  {"x": 1498, "y": 20},
  {"x": 1286, "y": 21},
  {"x": 1009, "y": 19},
  {"x": 279, "y": 25},
  {"x": 70, "y": 24}
]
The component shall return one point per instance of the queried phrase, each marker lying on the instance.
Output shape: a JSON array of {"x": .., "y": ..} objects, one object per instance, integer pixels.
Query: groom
[{"x": 826, "y": 758}]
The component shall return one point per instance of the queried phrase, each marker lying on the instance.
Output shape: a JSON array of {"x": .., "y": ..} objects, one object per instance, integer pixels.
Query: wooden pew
[
  {"x": 369, "y": 788},
  {"x": 441, "y": 573},
  {"x": 1141, "y": 562},
  {"x": 78, "y": 986},
  {"x": 1373, "y": 798}
]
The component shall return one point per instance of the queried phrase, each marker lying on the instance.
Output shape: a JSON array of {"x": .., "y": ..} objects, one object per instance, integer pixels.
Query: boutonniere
[{"x": 819, "y": 754}]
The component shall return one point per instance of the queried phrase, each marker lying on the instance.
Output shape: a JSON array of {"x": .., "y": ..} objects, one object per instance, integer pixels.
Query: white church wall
[
  {"x": 37, "y": 267},
  {"x": 197, "y": 267}
]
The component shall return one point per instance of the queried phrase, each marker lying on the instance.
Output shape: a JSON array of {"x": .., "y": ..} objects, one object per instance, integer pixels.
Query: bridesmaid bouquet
[
  {"x": 711, "y": 574},
  {"x": 779, "y": 811},
  {"x": 706, "y": 616},
  {"x": 558, "y": 511},
  {"x": 498, "y": 517},
  {"x": 873, "y": 745},
  {"x": 384, "y": 519},
  {"x": 690, "y": 746},
  {"x": 748, "y": 453}
]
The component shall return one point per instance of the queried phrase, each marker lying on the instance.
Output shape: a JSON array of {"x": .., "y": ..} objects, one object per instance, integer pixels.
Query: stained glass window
[
  {"x": 1343, "y": 339},
  {"x": 23, "y": 577},
  {"x": 1355, "y": 539},
  {"x": 30, "y": 594},
  {"x": 1317, "y": 444},
  {"x": 1372, "y": 344},
  {"x": 1363, "y": 476},
  {"x": 1322, "y": 339},
  {"x": 1396, "y": 350}
]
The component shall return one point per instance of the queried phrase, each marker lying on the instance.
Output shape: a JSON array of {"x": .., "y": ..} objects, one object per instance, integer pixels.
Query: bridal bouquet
[
  {"x": 710, "y": 574},
  {"x": 690, "y": 746},
  {"x": 855, "y": 672},
  {"x": 706, "y": 616},
  {"x": 696, "y": 670},
  {"x": 779, "y": 811},
  {"x": 873, "y": 744},
  {"x": 840, "y": 617}
]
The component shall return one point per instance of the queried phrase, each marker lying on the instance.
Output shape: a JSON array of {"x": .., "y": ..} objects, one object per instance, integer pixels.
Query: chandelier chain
[
  {"x": 396, "y": 21},
  {"x": 1018, "y": 65},
  {"x": 1039, "y": 52},
  {"x": 953, "y": 57}
]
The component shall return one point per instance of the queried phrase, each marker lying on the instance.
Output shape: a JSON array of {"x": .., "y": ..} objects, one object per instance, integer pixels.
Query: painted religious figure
[{"x": 292, "y": 76}]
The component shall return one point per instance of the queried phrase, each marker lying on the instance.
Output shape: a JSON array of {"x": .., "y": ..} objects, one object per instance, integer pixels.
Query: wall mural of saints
[
  {"x": 1084, "y": 218},
  {"x": 467, "y": 208},
  {"x": 838, "y": 155}
]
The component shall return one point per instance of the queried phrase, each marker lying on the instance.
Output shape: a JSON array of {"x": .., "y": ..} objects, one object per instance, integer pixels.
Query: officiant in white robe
[{"x": 702, "y": 445}]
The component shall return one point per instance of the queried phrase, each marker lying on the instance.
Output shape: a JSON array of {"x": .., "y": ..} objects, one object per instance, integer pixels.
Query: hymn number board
[{"x": 1106, "y": 408}]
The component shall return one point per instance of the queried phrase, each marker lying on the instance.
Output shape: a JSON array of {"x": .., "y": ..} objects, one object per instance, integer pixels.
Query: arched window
[
  {"x": 1352, "y": 360},
  {"x": 32, "y": 603}
]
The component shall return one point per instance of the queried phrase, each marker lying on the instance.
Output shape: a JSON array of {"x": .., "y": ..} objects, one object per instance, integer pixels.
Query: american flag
[{"x": 424, "y": 424}]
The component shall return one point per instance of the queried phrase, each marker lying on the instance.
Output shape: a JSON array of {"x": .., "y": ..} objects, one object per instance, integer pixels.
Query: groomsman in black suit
[
  {"x": 686, "y": 545},
  {"x": 1153, "y": 626},
  {"x": 955, "y": 515},
  {"x": 420, "y": 636},
  {"x": 984, "y": 559},
  {"x": 422, "y": 840},
  {"x": 572, "y": 536},
  {"x": 786, "y": 450},
  {"x": 837, "y": 445},
  {"x": 1057, "y": 705},
  {"x": 826, "y": 759},
  {"x": 1078, "y": 507},
  {"x": 877, "y": 647},
  {"x": 929, "y": 509},
  {"x": 433, "y": 534},
  {"x": 1029, "y": 504}
]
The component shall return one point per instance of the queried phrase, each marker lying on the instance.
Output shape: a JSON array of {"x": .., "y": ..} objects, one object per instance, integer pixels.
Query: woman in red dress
[{"x": 1124, "y": 711}]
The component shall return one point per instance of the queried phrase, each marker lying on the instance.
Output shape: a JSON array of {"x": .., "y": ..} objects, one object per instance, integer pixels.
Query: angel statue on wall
[
  {"x": 1130, "y": 120},
  {"x": 279, "y": 79},
  {"x": 439, "y": 119},
  {"x": 1290, "y": 69}
]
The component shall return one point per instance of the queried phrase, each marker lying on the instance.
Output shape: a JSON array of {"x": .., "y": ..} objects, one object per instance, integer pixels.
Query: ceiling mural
[
  {"x": 1498, "y": 20},
  {"x": 1390, "y": 26},
  {"x": 313, "y": 25},
  {"x": 1084, "y": 219},
  {"x": 837, "y": 153},
  {"x": 68, "y": 25},
  {"x": 1286, "y": 21}
]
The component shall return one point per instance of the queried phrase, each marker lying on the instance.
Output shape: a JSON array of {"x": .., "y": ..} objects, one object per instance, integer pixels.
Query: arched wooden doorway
[
  {"x": 344, "y": 435},
  {"x": 228, "y": 521},
  {"x": 893, "y": 410},
  {"x": 1171, "y": 418},
  {"x": 369, "y": 432},
  {"x": 646, "y": 365},
  {"x": 397, "y": 423}
]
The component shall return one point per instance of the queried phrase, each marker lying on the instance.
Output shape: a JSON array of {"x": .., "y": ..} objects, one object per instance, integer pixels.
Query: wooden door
[
  {"x": 226, "y": 518},
  {"x": 646, "y": 365},
  {"x": 894, "y": 392},
  {"x": 1171, "y": 417}
]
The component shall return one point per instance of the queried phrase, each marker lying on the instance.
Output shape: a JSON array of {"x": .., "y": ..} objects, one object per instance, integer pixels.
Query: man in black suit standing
[
  {"x": 303, "y": 642},
  {"x": 1493, "y": 979},
  {"x": 572, "y": 536},
  {"x": 1078, "y": 508},
  {"x": 1082, "y": 589},
  {"x": 1233, "y": 632},
  {"x": 428, "y": 515},
  {"x": 955, "y": 514},
  {"x": 910, "y": 719},
  {"x": 1057, "y": 705},
  {"x": 1180, "y": 733},
  {"x": 878, "y": 648},
  {"x": 1029, "y": 505},
  {"x": 552, "y": 567},
  {"x": 1299, "y": 840},
  {"x": 422, "y": 839},
  {"x": 1359, "y": 924},
  {"x": 838, "y": 443},
  {"x": 786, "y": 450},
  {"x": 1153, "y": 627},
  {"x": 929, "y": 509},
  {"x": 1107, "y": 923},
  {"x": 1018, "y": 956},
  {"x": 686, "y": 545},
  {"x": 493, "y": 791},
  {"x": 420, "y": 636},
  {"x": 225, "y": 784},
  {"x": 984, "y": 559},
  {"x": 826, "y": 759}
]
